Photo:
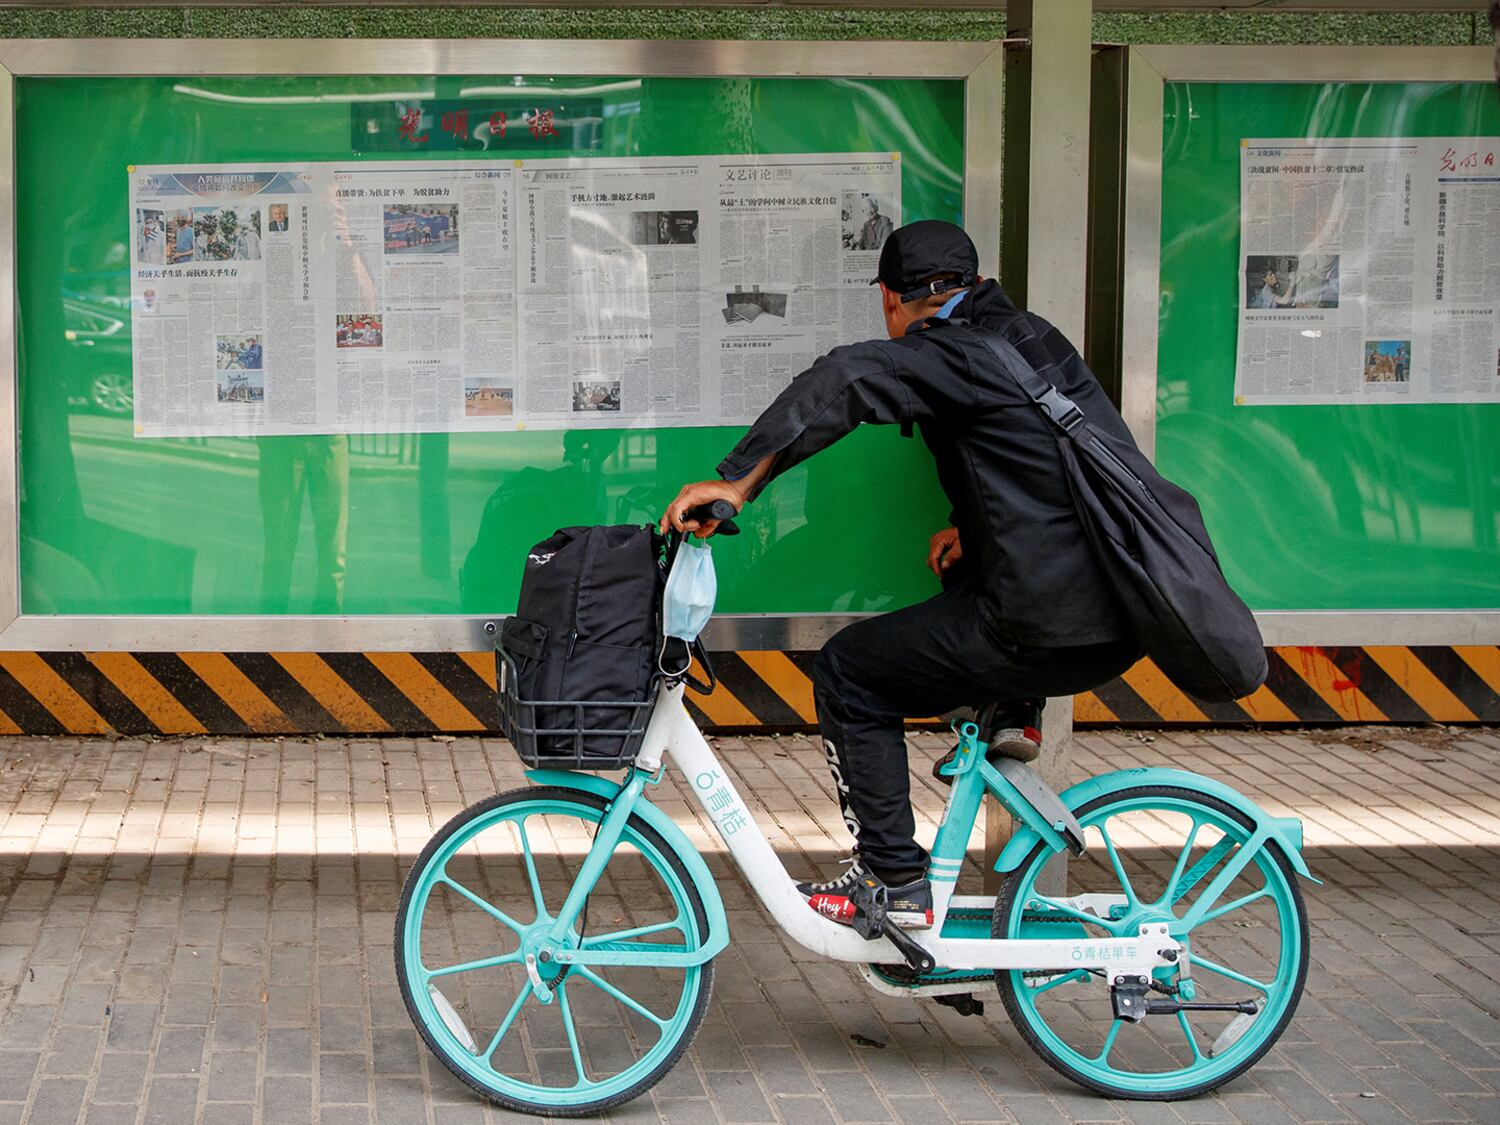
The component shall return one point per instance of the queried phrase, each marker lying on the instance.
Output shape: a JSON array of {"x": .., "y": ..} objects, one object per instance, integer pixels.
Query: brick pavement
[{"x": 200, "y": 931}]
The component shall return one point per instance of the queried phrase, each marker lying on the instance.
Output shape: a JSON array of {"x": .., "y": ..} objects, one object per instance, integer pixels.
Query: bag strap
[
  {"x": 1061, "y": 410},
  {"x": 692, "y": 650},
  {"x": 1058, "y": 407}
]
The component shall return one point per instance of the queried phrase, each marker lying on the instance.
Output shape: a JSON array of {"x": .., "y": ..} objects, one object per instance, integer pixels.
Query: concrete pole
[
  {"x": 1055, "y": 149},
  {"x": 1044, "y": 251}
]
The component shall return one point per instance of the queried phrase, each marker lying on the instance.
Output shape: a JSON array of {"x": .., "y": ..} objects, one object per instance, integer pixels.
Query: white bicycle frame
[{"x": 672, "y": 731}]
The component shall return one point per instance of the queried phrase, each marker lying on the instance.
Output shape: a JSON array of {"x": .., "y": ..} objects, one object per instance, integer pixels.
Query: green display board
[
  {"x": 402, "y": 523},
  {"x": 1353, "y": 507}
]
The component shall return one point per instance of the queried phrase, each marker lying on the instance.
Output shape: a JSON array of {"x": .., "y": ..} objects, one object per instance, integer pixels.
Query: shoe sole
[
  {"x": 1017, "y": 744},
  {"x": 910, "y": 920}
]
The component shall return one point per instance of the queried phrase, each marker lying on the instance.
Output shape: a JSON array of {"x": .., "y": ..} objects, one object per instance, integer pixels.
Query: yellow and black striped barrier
[{"x": 169, "y": 693}]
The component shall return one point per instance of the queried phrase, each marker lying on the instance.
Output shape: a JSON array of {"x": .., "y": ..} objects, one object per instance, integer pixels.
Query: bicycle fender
[
  {"x": 717, "y": 937},
  {"x": 1286, "y": 831}
]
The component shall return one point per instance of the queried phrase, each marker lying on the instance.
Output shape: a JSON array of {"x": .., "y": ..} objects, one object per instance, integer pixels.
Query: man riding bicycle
[{"x": 1026, "y": 611}]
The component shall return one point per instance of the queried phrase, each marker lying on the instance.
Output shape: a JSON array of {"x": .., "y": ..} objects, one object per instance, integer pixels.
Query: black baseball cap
[{"x": 922, "y": 249}]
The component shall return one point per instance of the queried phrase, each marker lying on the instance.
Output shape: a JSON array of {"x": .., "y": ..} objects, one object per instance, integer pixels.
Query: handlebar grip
[{"x": 721, "y": 510}]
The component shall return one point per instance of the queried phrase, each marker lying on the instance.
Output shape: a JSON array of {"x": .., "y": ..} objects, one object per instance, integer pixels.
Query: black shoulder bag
[{"x": 1149, "y": 536}]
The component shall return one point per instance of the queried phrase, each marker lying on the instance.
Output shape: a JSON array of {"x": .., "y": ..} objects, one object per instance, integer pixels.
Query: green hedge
[{"x": 720, "y": 23}]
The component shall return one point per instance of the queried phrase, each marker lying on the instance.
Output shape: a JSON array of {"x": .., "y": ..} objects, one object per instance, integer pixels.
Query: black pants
[{"x": 924, "y": 660}]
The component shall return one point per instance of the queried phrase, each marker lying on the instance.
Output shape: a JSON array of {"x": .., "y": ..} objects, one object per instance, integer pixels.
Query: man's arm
[
  {"x": 706, "y": 492},
  {"x": 844, "y": 388},
  {"x": 849, "y": 386}
]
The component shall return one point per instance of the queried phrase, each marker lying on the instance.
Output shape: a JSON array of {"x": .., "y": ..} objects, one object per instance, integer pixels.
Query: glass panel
[
  {"x": 411, "y": 523},
  {"x": 1313, "y": 506}
]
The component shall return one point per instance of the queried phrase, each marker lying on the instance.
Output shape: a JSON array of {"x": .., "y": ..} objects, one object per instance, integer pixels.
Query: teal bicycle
[{"x": 555, "y": 944}]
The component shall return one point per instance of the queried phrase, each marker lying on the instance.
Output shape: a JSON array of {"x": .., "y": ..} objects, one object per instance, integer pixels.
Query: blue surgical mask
[{"x": 690, "y": 593}]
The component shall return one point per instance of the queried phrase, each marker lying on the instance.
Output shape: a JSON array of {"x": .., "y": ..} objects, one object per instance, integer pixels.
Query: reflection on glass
[
  {"x": 290, "y": 468},
  {"x": 491, "y": 572}
]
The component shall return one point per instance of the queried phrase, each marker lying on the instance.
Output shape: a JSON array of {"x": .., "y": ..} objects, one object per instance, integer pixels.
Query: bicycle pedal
[
  {"x": 868, "y": 897},
  {"x": 962, "y": 1002}
]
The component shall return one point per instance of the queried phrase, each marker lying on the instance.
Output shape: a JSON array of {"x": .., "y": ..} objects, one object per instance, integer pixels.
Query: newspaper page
[
  {"x": 611, "y": 261},
  {"x": 323, "y": 298},
  {"x": 227, "y": 271},
  {"x": 799, "y": 241},
  {"x": 452, "y": 295},
  {"x": 422, "y": 328},
  {"x": 1370, "y": 271}
]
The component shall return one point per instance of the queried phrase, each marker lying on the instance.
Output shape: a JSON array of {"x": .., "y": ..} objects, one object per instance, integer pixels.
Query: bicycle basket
[{"x": 570, "y": 733}]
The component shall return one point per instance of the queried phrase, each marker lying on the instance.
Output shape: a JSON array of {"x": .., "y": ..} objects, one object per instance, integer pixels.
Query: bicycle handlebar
[{"x": 721, "y": 510}]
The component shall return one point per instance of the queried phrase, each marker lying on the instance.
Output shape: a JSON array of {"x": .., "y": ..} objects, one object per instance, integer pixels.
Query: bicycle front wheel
[
  {"x": 589, "y": 1038},
  {"x": 1152, "y": 852}
]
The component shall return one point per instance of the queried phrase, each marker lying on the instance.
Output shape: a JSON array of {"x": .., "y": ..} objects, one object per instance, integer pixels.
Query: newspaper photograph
[{"x": 1367, "y": 271}]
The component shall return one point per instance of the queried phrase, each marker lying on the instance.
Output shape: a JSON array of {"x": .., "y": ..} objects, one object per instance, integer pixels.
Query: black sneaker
[{"x": 908, "y": 905}]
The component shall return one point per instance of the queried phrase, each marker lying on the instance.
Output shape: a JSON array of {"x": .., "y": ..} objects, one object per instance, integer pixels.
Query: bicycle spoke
[
  {"x": 1057, "y": 982},
  {"x": 639, "y": 931},
  {"x": 1210, "y": 860},
  {"x": 510, "y": 1018},
  {"x": 1192, "y": 1040},
  {"x": 536, "y": 886},
  {"x": 1114, "y": 861},
  {"x": 470, "y": 966},
  {"x": 1109, "y": 1041},
  {"x": 1213, "y": 967},
  {"x": 1169, "y": 896},
  {"x": 1219, "y": 912},
  {"x": 1242, "y": 858},
  {"x": 494, "y": 912},
  {"x": 567, "y": 1019},
  {"x": 604, "y": 986}
]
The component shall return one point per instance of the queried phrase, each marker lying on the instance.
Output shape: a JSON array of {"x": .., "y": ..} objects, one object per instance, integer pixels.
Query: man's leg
[
  {"x": 925, "y": 660},
  {"x": 869, "y": 679}
]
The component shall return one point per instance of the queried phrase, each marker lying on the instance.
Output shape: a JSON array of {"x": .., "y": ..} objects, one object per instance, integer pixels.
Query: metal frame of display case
[
  {"x": 978, "y": 65},
  {"x": 1148, "y": 70}
]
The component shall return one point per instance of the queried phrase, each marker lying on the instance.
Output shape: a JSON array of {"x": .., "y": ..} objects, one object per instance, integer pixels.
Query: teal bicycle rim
[
  {"x": 1078, "y": 1001},
  {"x": 428, "y": 965}
]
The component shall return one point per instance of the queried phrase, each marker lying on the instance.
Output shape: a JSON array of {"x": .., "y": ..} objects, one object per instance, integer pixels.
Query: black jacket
[{"x": 997, "y": 459}]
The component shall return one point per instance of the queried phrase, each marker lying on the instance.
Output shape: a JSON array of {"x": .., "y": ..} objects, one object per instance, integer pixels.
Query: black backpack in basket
[
  {"x": 577, "y": 662},
  {"x": 1149, "y": 537}
]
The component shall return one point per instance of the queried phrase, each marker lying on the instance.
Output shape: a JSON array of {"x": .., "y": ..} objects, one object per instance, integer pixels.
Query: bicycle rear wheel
[
  {"x": 1152, "y": 851},
  {"x": 493, "y": 877}
]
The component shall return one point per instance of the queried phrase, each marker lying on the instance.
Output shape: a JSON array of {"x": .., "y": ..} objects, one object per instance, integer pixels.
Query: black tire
[
  {"x": 637, "y": 825},
  {"x": 1005, "y": 981}
]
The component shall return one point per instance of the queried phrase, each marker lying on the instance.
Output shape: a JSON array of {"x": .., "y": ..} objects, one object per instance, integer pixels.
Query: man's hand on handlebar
[
  {"x": 696, "y": 495},
  {"x": 943, "y": 551}
]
